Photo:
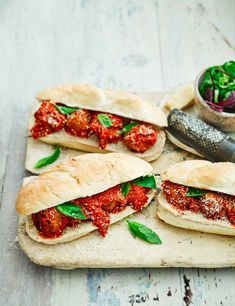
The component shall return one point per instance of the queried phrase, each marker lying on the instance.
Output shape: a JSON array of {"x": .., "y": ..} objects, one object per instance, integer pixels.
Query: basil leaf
[
  {"x": 125, "y": 188},
  {"x": 48, "y": 159},
  {"x": 128, "y": 127},
  {"x": 71, "y": 210},
  {"x": 66, "y": 110},
  {"x": 195, "y": 192},
  {"x": 143, "y": 232},
  {"x": 105, "y": 120},
  {"x": 146, "y": 181}
]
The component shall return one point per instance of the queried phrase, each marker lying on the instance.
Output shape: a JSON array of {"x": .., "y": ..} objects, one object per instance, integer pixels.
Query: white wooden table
[{"x": 135, "y": 45}]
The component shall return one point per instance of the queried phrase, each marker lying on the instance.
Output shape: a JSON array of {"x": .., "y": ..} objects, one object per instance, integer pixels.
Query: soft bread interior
[
  {"x": 81, "y": 229},
  {"x": 91, "y": 144},
  {"x": 81, "y": 176},
  {"x": 107, "y": 100},
  {"x": 190, "y": 220}
]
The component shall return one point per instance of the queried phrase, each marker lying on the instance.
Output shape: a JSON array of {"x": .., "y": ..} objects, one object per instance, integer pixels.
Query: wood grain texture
[{"x": 135, "y": 45}]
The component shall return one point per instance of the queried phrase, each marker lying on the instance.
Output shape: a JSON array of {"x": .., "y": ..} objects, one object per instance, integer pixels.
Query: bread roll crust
[
  {"x": 106, "y": 100},
  {"x": 203, "y": 174},
  {"x": 82, "y": 176}
]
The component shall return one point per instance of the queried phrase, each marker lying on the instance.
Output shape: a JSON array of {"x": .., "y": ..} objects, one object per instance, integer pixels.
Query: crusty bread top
[
  {"x": 112, "y": 101},
  {"x": 81, "y": 176},
  {"x": 203, "y": 174}
]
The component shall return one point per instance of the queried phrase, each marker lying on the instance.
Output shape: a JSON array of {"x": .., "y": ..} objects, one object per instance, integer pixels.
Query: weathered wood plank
[
  {"x": 194, "y": 35},
  {"x": 21, "y": 281}
]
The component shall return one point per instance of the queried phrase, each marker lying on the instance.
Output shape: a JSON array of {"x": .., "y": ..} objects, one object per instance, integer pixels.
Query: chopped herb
[
  {"x": 125, "y": 188},
  {"x": 146, "y": 181},
  {"x": 105, "y": 120},
  {"x": 71, "y": 210},
  {"x": 195, "y": 192},
  {"x": 143, "y": 232},
  {"x": 128, "y": 127},
  {"x": 66, "y": 110},
  {"x": 48, "y": 159},
  {"x": 218, "y": 87}
]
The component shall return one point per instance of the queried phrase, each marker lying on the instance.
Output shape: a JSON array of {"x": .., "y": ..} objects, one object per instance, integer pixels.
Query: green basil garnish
[
  {"x": 128, "y": 127},
  {"x": 71, "y": 210},
  {"x": 66, "y": 110},
  {"x": 195, "y": 192},
  {"x": 143, "y": 232},
  {"x": 146, "y": 181},
  {"x": 105, "y": 120},
  {"x": 125, "y": 188},
  {"x": 48, "y": 159}
]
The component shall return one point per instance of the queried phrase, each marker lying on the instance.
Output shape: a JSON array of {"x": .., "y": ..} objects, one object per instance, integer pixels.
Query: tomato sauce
[
  {"x": 230, "y": 209},
  {"x": 213, "y": 205},
  {"x": 84, "y": 123},
  {"x": 137, "y": 196},
  {"x": 47, "y": 120},
  {"x": 51, "y": 223},
  {"x": 176, "y": 195},
  {"x": 140, "y": 138},
  {"x": 78, "y": 123},
  {"x": 107, "y": 134}
]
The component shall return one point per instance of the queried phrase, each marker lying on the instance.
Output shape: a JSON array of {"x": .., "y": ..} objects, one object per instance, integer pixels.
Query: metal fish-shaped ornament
[{"x": 199, "y": 137}]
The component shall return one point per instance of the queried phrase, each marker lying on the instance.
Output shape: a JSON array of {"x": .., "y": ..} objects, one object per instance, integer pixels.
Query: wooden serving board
[{"x": 180, "y": 247}]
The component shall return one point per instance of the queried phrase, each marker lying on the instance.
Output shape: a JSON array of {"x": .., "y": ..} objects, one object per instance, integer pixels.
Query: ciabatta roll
[
  {"x": 102, "y": 186},
  {"x": 78, "y": 129},
  {"x": 199, "y": 195}
]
